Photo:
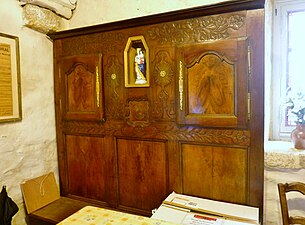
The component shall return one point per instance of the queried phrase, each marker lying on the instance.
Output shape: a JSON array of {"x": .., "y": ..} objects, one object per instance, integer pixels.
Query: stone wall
[{"x": 28, "y": 147}]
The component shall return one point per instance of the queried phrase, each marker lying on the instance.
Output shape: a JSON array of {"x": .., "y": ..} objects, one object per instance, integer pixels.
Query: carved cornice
[
  {"x": 204, "y": 29},
  {"x": 224, "y": 7},
  {"x": 103, "y": 42}
]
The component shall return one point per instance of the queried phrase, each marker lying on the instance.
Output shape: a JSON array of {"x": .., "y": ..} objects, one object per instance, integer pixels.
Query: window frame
[{"x": 279, "y": 61}]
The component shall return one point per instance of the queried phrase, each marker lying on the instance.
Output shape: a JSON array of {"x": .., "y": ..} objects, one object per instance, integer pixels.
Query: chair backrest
[
  {"x": 39, "y": 192},
  {"x": 283, "y": 189}
]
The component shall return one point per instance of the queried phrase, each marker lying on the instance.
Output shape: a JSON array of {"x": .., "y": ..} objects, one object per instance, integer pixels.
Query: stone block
[{"x": 41, "y": 19}]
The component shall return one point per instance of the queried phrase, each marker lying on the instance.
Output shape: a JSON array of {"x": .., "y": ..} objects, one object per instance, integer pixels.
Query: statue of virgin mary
[{"x": 140, "y": 67}]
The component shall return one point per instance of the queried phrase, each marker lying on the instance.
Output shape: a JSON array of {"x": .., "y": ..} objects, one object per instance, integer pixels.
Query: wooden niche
[{"x": 136, "y": 62}]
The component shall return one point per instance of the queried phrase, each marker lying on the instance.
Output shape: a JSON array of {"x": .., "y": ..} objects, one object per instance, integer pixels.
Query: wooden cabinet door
[
  {"x": 213, "y": 84},
  {"x": 82, "y": 87}
]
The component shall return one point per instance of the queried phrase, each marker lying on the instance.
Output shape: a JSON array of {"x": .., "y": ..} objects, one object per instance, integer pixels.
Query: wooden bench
[{"x": 44, "y": 205}]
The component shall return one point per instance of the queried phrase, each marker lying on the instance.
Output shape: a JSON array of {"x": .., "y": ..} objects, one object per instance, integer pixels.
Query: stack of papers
[{"x": 190, "y": 210}]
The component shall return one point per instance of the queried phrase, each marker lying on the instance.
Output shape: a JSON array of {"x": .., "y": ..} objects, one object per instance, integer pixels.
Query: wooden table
[{"x": 99, "y": 216}]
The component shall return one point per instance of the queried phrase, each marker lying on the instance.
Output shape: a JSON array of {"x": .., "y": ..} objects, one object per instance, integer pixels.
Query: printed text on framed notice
[{"x": 10, "y": 87}]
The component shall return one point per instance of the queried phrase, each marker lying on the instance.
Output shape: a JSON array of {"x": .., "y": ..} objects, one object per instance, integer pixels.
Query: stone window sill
[{"x": 281, "y": 154}]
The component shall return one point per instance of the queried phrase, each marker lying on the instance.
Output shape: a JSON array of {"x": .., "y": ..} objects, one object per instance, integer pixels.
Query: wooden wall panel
[
  {"x": 215, "y": 172},
  {"x": 140, "y": 145},
  {"x": 86, "y": 170},
  {"x": 142, "y": 173}
]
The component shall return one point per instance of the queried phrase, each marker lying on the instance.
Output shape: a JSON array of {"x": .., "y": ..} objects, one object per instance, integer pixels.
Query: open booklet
[{"x": 190, "y": 210}]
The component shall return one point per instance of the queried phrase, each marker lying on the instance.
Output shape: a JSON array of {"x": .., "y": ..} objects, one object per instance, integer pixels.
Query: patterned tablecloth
[{"x": 99, "y": 216}]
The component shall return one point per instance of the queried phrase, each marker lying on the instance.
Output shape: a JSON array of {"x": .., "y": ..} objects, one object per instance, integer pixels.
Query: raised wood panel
[
  {"x": 86, "y": 168},
  {"x": 213, "y": 83},
  {"x": 215, "y": 172},
  {"x": 82, "y": 85},
  {"x": 142, "y": 173}
]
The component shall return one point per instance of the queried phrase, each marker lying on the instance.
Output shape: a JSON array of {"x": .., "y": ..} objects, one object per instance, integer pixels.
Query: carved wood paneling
[{"x": 155, "y": 135}]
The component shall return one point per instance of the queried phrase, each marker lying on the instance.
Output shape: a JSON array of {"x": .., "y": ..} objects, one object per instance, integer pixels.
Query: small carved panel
[
  {"x": 138, "y": 113},
  {"x": 83, "y": 99}
]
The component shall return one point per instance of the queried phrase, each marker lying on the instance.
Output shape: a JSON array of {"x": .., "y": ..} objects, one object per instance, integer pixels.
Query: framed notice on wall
[{"x": 10, "y": 87}]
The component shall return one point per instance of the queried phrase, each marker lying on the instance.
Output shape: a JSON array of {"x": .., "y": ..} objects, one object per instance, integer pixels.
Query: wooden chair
[
  {"x": 43, "y": 202},
  {"x": 283, "y": 189}
]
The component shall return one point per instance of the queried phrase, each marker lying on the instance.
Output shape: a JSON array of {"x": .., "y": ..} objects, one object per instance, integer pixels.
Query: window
[{"x": 288, "y": 65}]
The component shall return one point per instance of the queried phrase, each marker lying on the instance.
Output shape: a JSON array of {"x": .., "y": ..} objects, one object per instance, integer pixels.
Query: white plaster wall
[
  {"x": 91, "y": 12},
  {"x": 28, "y": 148}
]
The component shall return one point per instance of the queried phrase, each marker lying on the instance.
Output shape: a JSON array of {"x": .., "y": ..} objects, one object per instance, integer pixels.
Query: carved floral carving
[
  {"x": 167, "y": 131},
  {"x": 163, "y": 76},
  {"x": 114, "y": 78},
  {"x": 203, "y": 29},
  {"x": 103, "y": 42},
  {"x": 163, "y": 72}
]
